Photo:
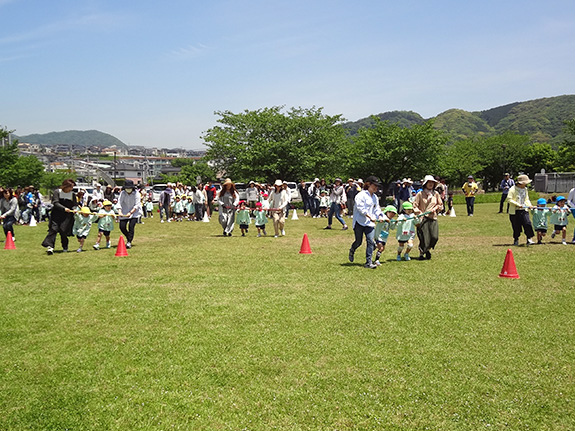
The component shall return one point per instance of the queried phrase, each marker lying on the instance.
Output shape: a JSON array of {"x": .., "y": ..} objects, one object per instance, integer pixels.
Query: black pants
[
  {"x": 8, "y": 225},
  {"x": 520, "y": 221},
  {"x": 470, "y": 201},
  {"x": 199, "y": 211},
  {"x": 64, "y": 228},
  {"x": 128, "y": 226},
  {"x": 428, "y": 234},
  {"x": 502, "y": 201}
]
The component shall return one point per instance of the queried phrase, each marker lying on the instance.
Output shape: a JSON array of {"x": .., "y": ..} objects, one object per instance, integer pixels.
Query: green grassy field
[{"x": 196, "y": 331}]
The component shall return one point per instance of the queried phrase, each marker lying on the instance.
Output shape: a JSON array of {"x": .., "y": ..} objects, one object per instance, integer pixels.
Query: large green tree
[
  {"x": 391, "y": 152},
  {"x": 503, "y": 153},
  {"x": 269, "y": 143},
  {"x": 462, "y": 158},
  {"x": 191, "y": 170},
  {"x": 16, "y": 170},
  {"x": 566, "y": 152}
]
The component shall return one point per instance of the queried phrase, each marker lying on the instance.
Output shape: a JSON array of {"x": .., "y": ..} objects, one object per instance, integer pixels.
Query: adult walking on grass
[
  {"x": 505, "y": 185},
  {"x": 278, "y": 201},
  {"x": 8, "y": 210},
  {"x": 519, "y": 205},
  {"x": 337, "y": 198},
  {"x": 228, "y": 201},
  {"x": 131, "y": 211},
  {"x": 470, "y": 189},
  {"x": 61, "y": 217},
  {"x": 314, "y": 196},
  {"x": 367, "y": 212},
  {"x": 351, "y": 191},
  {"x": 428, "y": 200}
]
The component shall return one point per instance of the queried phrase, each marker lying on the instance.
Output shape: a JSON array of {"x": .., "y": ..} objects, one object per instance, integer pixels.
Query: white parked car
[{"x": 157, "y": 189}]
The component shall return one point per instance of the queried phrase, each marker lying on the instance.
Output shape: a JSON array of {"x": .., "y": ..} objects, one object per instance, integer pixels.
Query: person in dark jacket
[
  {"x": 61, "y": 217},
  {"x": 8, "y": 210}
]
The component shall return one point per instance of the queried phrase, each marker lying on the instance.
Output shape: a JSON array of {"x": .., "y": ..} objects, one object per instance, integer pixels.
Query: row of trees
[
  {"x": 269, "y": 143},
  {"x": 16, "y": 170}
]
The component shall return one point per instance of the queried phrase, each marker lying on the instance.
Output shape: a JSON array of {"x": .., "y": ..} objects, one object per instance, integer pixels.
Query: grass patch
[{"x": 196, "y": 331}]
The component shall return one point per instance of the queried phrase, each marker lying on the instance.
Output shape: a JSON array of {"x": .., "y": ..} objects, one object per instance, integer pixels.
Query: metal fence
[{"x": 554, "y": 182}]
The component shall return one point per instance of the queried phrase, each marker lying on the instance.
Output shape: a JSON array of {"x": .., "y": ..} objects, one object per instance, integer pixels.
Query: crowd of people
[
  {"x": 537, "y": 219},
  {"x": 414, "y": 211}
]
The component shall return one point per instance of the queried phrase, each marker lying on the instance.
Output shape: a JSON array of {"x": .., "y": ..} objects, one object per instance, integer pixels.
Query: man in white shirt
[{"x": 367, "y": 212}]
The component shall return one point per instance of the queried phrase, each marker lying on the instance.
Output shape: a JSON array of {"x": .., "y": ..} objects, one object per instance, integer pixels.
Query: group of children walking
[
  {"x": 244, "y": 218},
  {"x": 84, "y": 218},
  {"x": 557, "y": 217},
  {"x": 405, "y": 226}
]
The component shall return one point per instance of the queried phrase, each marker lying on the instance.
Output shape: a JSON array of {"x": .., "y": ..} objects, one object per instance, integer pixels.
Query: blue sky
[{"x": 153, "y": 72}]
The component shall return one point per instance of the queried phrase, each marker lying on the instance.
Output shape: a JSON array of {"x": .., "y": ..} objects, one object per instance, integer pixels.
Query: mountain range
[
  {"x": 542, "y": 119},
  {"x": 77, "y": 138}
]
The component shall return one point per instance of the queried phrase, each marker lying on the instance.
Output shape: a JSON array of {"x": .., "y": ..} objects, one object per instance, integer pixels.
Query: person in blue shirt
[{"x": 505, "y": 185}]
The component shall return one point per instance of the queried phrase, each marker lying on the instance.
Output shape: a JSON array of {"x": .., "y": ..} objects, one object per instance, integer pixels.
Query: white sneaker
[
  {"x": 377, "y": 263},
  {"x": 108, "y": 245},
  {"x": 564, "y": 242},
  {"x": 530, "y": 241},
  {"x": 128, "y": 245},
  {"x": 96, "y": 246},
  {"x": 275, "y": 236},
  {"x": 259, "y": 235},
  {"x": 50, "y": 250},
  {"x": 161, "y": 221},
  {"x": 283, "y": 232},
  {"x": 79, "y": 250}
]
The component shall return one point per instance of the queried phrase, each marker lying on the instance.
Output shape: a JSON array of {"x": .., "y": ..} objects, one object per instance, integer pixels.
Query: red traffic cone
[
  {"x": 305, "y": 248},
  {"x": 9, "y": 242},
  {"x": 509, "y": 270},
  {"x": 121, "y": 250}
]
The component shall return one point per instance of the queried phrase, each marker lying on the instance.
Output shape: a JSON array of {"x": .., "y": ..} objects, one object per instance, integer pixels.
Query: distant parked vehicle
[
  {"x": 242, "y": 192},
  {"x": 295, "y": 196},
  {"x": 89, "y": 189},
  {"x": 157, "y": 189}
]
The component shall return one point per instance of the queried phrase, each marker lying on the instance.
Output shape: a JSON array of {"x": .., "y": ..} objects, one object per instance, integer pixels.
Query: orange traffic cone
[
  {"x": 305, "y": 248},
  {"x": 509, "y": 270},
  {"x": 121, "y": 250},
  {"x": 9, "y": 242}
]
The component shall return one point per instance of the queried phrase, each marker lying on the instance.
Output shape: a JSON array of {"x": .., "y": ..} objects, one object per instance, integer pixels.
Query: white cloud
[
  {"x": 85, "y": 22},
  {"x": 189, "y": 52}
]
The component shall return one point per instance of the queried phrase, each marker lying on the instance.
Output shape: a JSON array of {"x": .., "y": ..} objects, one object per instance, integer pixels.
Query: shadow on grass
[{"x": 350, "y": 264}]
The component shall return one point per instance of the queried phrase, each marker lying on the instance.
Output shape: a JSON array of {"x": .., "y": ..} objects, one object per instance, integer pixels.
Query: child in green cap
[
  {"x": 382, "y": 230},
  {"x": 406, "y": 225}
]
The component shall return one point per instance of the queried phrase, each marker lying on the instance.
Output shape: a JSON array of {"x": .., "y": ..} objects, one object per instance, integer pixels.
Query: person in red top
[{"x": 211, "y": 192}]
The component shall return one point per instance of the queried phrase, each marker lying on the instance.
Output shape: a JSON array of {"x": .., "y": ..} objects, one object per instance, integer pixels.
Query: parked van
[
  {"x": 292, "y": 187},
  {"x": 157, "y": 189}
]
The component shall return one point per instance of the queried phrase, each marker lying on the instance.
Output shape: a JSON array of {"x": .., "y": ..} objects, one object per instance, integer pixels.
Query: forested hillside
[
  {"x": 81, "y": 138},
  {"x": 542, "y": 119}
]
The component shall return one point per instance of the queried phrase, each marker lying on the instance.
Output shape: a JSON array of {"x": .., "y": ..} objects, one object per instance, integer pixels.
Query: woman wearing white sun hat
[
  {"x": 519, "y": 205},
  {"x": 427, "y": 201},
  {"x": 278, "y": 200},
  {"x": 228, "y": 200}
]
